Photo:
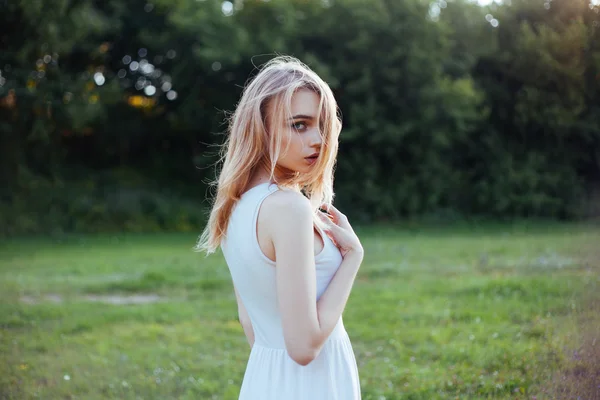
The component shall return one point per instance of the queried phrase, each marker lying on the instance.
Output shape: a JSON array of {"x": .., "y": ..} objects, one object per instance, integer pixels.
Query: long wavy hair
[{"x": 251, "y": 144}]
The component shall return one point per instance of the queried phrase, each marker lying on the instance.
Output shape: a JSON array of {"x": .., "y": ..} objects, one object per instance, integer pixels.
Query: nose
[{"x": 315, "y": 138}]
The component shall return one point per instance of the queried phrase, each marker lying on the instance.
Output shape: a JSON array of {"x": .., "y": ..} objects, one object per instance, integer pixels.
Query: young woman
[{"x": 292, "y": 265}]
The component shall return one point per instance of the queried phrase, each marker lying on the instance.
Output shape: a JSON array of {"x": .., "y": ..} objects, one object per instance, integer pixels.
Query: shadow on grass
[{"x": 579, "y": 375}]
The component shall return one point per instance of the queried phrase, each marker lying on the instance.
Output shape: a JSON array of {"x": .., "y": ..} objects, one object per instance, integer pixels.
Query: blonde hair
[{"x": 251, "y": 144}]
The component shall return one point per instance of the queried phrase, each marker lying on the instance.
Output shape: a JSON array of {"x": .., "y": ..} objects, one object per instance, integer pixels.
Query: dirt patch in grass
[
  {"x": 130, "y": 299},
  {"x": 109, "y": 299},
  {"x": 49, "y": 298}
]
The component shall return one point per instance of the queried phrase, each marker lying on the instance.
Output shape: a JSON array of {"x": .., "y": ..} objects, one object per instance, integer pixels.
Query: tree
[{"x": 536, "y": 87}]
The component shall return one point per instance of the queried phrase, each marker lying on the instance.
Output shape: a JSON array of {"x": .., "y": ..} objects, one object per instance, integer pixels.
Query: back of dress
[
  {"x": 271, "y": 373},
  {"x": 252, "y": 272}
]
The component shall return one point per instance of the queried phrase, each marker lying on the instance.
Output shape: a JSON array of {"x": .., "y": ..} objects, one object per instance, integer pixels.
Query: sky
[{"x": 487, "y": 2}]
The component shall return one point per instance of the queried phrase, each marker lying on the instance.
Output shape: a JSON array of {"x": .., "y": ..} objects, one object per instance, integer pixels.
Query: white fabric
[{"x": 271, "y": 374}]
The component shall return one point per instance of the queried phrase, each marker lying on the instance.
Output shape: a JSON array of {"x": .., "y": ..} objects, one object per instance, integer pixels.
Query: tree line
[{"x": 450, "y": 109}]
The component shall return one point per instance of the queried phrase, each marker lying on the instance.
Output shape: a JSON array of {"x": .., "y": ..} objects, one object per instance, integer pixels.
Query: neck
[{"x": 260, "y": 176}]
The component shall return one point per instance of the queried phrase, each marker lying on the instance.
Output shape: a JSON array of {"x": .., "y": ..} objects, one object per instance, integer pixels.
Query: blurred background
[
  {"x": 452, "y": 109},
  {"x": 469, "y": 164}
]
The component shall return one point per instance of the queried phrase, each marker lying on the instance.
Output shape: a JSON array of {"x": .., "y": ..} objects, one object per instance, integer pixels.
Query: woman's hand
[{"x": 340, "y": 231}]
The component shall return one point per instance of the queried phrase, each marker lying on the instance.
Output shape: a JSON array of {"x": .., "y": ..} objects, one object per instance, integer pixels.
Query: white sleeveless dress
[{"x": 271, "y": 374}]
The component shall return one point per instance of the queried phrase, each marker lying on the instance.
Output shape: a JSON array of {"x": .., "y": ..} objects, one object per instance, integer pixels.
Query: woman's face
[{"x": 304, "y": 140}]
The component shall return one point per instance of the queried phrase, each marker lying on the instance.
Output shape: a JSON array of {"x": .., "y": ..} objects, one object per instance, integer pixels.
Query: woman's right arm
[{"x": 307, "y": 323}]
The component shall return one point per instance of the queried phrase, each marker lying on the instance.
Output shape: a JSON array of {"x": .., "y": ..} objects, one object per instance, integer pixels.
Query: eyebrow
[{"x": 301, "y": 116}]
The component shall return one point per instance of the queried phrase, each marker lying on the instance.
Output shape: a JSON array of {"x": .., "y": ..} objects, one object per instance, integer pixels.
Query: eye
[{"x": 299, "y": 126}]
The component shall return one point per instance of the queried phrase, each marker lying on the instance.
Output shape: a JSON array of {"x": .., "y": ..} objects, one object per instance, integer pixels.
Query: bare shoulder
[{"x": 286, "y": 207}]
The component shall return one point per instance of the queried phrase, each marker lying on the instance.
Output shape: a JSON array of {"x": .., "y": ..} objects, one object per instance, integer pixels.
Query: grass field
[{"x": 491, "y": 312}]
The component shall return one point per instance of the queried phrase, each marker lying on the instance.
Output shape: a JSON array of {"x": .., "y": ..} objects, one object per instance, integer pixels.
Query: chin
[
  {"x": 292, "y": 170},
  {"x": 304, "y": 169}
]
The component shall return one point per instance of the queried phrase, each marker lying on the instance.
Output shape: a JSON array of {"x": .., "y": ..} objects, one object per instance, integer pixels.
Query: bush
[{"x": 99, "y": 203}]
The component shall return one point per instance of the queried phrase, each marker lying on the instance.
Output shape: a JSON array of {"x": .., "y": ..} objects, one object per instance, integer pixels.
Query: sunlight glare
[{"x": 227, "y": 8}]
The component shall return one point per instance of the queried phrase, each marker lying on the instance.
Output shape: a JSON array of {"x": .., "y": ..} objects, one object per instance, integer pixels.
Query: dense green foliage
[
  {"x": 474, "y": 314},
  {"x": 450, "y": 109}
]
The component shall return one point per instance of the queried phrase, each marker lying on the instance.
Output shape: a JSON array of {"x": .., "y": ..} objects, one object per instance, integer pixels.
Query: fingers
[
  {"x": 337, "y": 215},
  {"x": 326, "y": 218},
  {"x": 330, "y": 229},
  {"x": 329, "y": 222}
]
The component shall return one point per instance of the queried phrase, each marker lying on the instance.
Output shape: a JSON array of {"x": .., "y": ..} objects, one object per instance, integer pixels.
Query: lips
[{"x": 312, "y": 158}]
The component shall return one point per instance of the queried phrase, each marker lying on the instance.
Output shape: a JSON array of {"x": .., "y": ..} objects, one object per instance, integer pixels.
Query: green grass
[{"x": 469, "y": 313}]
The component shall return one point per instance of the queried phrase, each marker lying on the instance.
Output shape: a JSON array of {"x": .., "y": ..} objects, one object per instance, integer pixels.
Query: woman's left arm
[{"x": 244, "y": 319}]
